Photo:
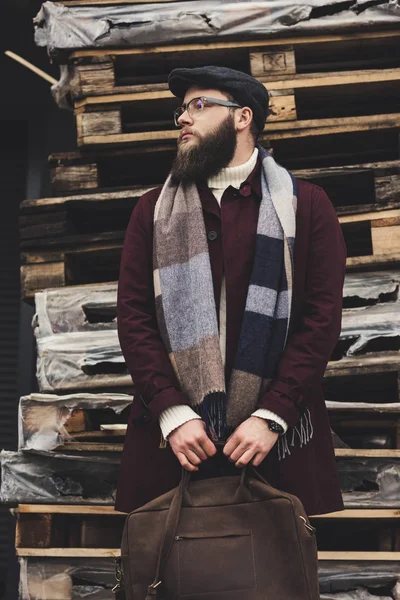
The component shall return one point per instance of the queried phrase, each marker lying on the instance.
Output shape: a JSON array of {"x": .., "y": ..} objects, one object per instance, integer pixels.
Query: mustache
[{"x": 184, "y": 132}]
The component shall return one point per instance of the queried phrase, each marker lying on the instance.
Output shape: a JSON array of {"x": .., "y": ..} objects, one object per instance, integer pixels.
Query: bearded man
[{"x": 229, "y": 307}]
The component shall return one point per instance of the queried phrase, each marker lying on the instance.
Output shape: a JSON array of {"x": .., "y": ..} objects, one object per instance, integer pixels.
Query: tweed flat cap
[{"x": 246, "y": 90}]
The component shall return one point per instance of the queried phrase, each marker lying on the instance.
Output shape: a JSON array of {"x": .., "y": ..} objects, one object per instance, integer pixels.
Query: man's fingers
[
  {"x": 245, "y": 458},
  {"x": 232, "y": 443},
  {"x": 185, "y": 463},
  {"x": 258, "y": 458},
  {"x": 192, "y": 457},
  {"x": 207, "y": 445},
  {"x": 239, "y": 450}
]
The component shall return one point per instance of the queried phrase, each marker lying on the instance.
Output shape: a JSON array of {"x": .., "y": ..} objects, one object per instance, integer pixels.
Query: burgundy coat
[{"x": 319, "y": 264}]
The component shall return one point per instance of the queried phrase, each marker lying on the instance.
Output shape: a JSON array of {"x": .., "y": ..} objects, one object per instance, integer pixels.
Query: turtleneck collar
[{"x": 233, "y": 176}]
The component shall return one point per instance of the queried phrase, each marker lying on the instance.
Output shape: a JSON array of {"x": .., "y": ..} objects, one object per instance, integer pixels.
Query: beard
[{"x": 207, "y": 156}]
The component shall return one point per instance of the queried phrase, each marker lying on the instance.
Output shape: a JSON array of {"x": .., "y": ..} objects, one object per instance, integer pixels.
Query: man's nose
[{"x": 185, "y": 119}]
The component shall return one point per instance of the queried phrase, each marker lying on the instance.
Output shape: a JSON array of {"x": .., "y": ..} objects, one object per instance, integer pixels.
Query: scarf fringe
[
  {"x": 304, "y": 430},
  {"x": 213, "y": 412}
]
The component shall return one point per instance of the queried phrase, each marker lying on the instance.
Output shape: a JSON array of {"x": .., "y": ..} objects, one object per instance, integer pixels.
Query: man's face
[{"x": 207, "y": 140}]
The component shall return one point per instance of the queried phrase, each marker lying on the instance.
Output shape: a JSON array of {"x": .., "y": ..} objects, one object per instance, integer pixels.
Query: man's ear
[{"x": 243, "y": 118}]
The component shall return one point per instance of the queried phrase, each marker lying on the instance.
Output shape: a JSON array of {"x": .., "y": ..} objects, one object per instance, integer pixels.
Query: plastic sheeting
[
  {"x": 75, "y": 308},
  {"x": 50, "y": 478},
  {"x": 66, "y": 579},
  {"x": 80, "y": 360},
  {"x": 369, "y": 482},
  {"x": 358, "y": 594},
  {"x": 42, "y": 417},
  {"x": 363, "y": 325},
  {"x": 372, "y": 286},
  {"x": 77, "y": 339},
  {"x": 60, "y": 27},
  {"x": 337, "y": 577}
]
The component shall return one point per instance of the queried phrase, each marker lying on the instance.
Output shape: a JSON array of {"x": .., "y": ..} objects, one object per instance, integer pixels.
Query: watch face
[{"x": 274, "y": 426}]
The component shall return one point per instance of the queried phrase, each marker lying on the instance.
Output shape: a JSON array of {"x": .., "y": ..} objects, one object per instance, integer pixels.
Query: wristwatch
[{"x": 275, "y": 427}]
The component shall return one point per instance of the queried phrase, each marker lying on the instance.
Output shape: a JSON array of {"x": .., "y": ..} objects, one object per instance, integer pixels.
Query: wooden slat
[
  {"x": 370, "y": 556},
  {"x": 296, "y": 41},
  {"x": 89, "y": 447},
  {"x": 70, "y": 552},
  {"x": 115, "y": 552},
  {"x": 294, "y": 82},
  {"x": 366, "y": 453},
  {"x": 275, "y": 131},
  {"x": 68, "y": 509},
  {"x": 361, "y": 513}
]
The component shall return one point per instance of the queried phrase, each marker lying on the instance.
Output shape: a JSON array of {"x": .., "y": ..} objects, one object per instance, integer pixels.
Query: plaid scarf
[{"x": 185, "y": 304}]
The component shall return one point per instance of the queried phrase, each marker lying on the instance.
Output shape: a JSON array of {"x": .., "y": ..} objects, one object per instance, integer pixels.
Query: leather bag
[{"x": 235, "y": 538}]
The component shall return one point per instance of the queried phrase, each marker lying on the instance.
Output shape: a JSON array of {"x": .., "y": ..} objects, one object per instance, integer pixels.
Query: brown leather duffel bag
[{"x": 233, "y": 538}]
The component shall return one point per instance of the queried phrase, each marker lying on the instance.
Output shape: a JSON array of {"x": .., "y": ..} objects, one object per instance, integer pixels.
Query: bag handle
[{"x": 172, "y": 521}]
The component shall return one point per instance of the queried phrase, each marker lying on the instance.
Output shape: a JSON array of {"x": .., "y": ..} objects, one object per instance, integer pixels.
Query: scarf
[{"x": 185, "y": 305}]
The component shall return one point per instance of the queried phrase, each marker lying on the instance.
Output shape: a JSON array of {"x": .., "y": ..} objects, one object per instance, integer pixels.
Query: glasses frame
[{"x": 185, "y": 107}]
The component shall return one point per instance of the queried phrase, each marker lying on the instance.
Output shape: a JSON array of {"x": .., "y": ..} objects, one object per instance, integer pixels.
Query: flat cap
[{"x": 246, "y": 90}]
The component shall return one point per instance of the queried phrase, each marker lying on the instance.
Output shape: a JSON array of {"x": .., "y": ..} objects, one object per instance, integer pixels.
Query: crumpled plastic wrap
[
  {"x": 66, "y": 579},
  {"x": 372, "y": 286},
  {"x": 349, "y": 577},
  {"x": 77, "y": 339},
  {"x": 359, "y": 476},
  {"x": 362, "y": 325},
  {"x": 59, "y": 27},
  {"x": 358, "y": 594},
  {"x": 80, "y": 360},
  {"x": 42, "y": 417},
  {"x": 55, "y": 478},
  {"x": 74, "y": 308}
]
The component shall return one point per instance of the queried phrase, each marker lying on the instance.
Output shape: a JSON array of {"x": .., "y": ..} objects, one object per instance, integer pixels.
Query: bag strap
[{"x": 171, "y": 525}]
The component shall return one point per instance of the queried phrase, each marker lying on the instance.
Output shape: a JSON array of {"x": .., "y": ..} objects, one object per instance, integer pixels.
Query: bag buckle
[{"x": 152, "y": 589}]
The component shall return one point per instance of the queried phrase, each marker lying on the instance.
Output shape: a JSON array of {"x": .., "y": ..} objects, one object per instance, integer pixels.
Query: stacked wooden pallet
[{"x": 335, "y": 121}]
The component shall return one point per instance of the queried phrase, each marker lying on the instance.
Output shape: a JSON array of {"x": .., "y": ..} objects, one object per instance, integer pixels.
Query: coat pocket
[{"x": 212, "y": 562}]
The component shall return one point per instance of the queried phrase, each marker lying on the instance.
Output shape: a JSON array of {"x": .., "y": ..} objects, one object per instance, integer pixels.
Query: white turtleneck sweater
[{"x": 177, "y": 415}]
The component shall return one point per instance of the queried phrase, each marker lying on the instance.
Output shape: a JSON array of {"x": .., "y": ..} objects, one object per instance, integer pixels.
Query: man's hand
[
  {"x": 191, "y": 444},
  {"x": 251, "y": 441}
]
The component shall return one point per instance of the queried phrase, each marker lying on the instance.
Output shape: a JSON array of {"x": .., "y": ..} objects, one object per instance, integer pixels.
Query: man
[{"x": 229, "y": 307}]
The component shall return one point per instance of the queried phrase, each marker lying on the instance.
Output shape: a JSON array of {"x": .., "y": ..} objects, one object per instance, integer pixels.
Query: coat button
[
  {"x": 212, "y": 235},
  {"x": 146, "y": 418}
]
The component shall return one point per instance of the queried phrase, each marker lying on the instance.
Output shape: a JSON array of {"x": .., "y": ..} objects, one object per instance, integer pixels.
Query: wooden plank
[
  {"x": 295, "y": 41},
  {"x": 275, "y": 131},
  {"x": 98, "y": 123},
  {"x": 350, "y": 556},
  {"x": 370, "y": 216},
  {"x": 302, "y": 81},
  {"x": 68, "y": 509},
  {"x": 359, "y": 365},
  {"x": 84, "y": 177},
  {"x": 385, "y": 239},
  {"x": 115, "y": 552},
  {"x": 70, "y": 552},
  {"x": 38, "y": 533},
  {"x": 360, "y": 513},
  {"x": 366, "y": 453},
  {"x": 90, "y": 447}
]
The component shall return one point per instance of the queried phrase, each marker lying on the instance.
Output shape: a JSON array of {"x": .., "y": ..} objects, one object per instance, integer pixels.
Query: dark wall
[{"x": 31, "y": 127}]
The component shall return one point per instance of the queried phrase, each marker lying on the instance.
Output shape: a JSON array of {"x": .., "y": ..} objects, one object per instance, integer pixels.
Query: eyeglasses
[{"x": 196, "y": 106}]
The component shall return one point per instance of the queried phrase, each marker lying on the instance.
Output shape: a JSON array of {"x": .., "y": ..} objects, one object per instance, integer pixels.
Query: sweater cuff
[
  {"x": 175, "y": 416},
  {"x": 268, "y": 414}
]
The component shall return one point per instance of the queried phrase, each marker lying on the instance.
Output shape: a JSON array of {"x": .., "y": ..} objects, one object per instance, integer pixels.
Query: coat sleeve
[
  {"x": 144, "y": 352},
  {"x": 316, "y": 332}
]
